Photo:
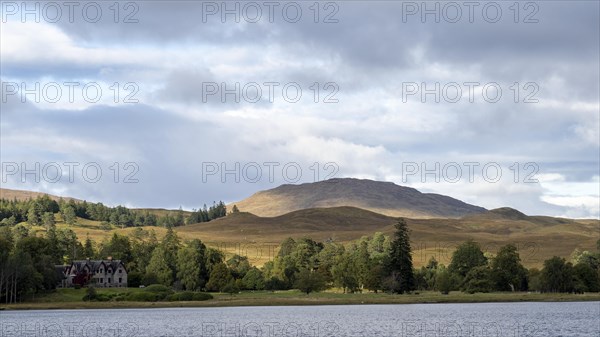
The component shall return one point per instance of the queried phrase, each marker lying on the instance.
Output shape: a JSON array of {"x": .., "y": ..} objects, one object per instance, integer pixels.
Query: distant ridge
[
  {"x": 22, "y": 195},
  {"x": 382, "y": 197}
]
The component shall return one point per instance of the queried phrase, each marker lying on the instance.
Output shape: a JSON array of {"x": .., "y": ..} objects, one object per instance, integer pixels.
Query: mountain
[{"x": 381, "y": 197}]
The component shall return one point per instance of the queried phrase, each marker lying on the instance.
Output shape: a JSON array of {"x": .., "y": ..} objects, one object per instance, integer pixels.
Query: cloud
[{"x": 369, "y": 56}]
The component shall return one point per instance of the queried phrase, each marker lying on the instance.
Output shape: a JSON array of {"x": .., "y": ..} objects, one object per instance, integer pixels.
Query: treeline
[
  {"x": 375, "y": 263},
  {"x": 27, "y": 262},
  {"x": 39, "y": 212},
  {"x": 471, "y": 271},
  {"x": 213, "y": 212}
]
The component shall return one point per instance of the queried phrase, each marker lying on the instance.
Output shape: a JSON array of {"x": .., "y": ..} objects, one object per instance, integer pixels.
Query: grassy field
[
  {"x": 538, "y": 238},
  {"x": 72, "y": 299}
]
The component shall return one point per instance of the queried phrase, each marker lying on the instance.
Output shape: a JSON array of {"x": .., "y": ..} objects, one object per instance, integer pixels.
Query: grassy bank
[{"x": 72, "y": 299}]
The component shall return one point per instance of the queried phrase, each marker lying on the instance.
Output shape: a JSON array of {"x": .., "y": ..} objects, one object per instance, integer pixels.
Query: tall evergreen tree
[
  {"x": 188, "y": 268},
  {"x": 54, "y": 249},
  {"x": 48, "y": 219},
  {"x": 400, "y": 260},
  {"x": 88, "y": 249},
  {"x": 69, "y": 215},
  {"x": 170, "y": 244}
]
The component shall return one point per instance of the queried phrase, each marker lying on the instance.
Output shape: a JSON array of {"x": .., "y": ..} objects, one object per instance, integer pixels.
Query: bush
[
  {"x": 443, "y": 281},
  {"x": 275, "y": 284},
  {"x": 182, "y": 296},
  {"x": 103, "y": 297},
  {"x": 90, "y": 294},
  {"x": 201, "y": 297},
  {"x": 142, "y": 297},
  {"x": 134, "y": 279},
  {"x": 121, "y": 297},
  {"x": 157, "y": 288},
  {"x": 231, "y": 288},
  {"x": 145, "y": 296},
  {"x": 189, "y": 296}
]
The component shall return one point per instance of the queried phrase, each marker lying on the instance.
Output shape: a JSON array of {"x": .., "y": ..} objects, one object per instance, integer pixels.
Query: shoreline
[{"x": 296, "y": 299}]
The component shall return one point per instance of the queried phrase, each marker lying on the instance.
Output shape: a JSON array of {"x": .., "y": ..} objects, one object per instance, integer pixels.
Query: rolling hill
[
  {"x": 22, "y": 195},
  {"x": 257, "y": 236},
  {"x": 382, "y": 197},
  {"x": 537, "y": 237}
]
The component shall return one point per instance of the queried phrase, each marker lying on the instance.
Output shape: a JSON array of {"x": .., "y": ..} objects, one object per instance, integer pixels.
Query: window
[
  {"x": 120, "y": 271},
  {"x": 101, "y": 280},
  {"x": 120, "y": 280}
]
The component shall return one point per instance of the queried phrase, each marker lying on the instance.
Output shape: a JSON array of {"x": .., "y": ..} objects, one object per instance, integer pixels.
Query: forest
[
  {"x": 377, "y": 263},
  {"x": 40, "y": 211}
]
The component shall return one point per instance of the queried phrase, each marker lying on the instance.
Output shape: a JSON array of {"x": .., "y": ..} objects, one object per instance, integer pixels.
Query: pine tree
[
  {"x": 170, "y": 244},
  {"x": 34, "y": 214},
  {"x": 400, "y": 260},
  {"x": 53, "y": 244},
  {"x": 88, "y": 249},
  {"x": 179, "y": 218},
  {"x": 69, "y": 215},
  {"x": 48, "y": 219},
  {"x": 188, "y": 268}
]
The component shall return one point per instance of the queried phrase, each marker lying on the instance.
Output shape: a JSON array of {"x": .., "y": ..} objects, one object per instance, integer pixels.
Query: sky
[{"x": 169, "y": 104}]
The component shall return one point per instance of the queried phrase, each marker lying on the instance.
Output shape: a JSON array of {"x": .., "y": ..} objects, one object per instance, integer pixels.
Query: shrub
[
  {"x": 90, "y": 294},
  {"x": 134, "y": 279},
  {"x": 182, "y": 296},
  {"x": 121, "y": 297},
  {"x": 189, "y": 296},
  {"x": 231, "y": 288},
  {"x": 142, "y": 297},
  {"x": 162, "y": 292},
  {"x": 103, "y": 298},
  {"x": 157, "y": 288},
  {"x": 201, "y": 297},
  {"x": 443, "y": 281},
  {"x": 275, "y": 284}
]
